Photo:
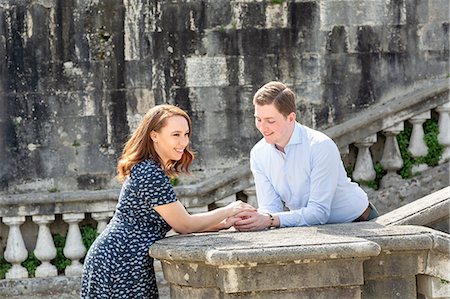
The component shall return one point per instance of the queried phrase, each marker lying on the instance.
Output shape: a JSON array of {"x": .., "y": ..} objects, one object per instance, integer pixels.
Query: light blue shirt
[{"x": 310, "y": 180}]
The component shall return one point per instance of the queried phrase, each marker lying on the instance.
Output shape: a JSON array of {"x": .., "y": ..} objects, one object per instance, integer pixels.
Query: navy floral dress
[{"x": 118, "y": 264}]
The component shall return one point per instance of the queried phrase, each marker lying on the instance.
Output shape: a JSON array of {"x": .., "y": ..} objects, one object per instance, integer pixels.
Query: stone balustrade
[
  {"x": 390, "y": 257},
  {"x": 40, "y": 210},
  {"x": 364, "y": 260}
]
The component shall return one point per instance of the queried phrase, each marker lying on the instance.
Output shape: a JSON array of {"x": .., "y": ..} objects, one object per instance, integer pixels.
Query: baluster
[
  {"x": 102, "y": 219},
  {"x": 344, "y": 151},
  {"x": 364, "y": 170},
  {"x": 251, "y": 196},
  {"x": 74, "y": 248},
  {"x": 16, "y": 251},
  {"x": 45, "y": 249},
  {"x": 392, "y": 159},
  {"x": 444, "y": 130},
  {"x": 417, "y": 146}
]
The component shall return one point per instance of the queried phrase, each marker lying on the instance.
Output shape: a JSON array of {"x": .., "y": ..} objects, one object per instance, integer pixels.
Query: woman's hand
[
  {"x": 229, "y": 222},
  {"x": 238, "y": 207}
]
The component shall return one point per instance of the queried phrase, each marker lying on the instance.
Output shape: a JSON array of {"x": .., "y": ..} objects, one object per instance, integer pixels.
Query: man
[{"x": 298, "y": 168}]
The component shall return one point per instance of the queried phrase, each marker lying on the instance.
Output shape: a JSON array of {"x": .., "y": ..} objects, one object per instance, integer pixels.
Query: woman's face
[{"x": 172, "y": 139}]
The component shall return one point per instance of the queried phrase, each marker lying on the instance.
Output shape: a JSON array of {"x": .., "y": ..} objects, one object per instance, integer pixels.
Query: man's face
[{"x": 275, "y": 127}]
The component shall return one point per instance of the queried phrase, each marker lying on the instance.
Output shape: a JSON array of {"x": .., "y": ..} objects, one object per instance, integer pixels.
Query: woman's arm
[
  {"x": 224, "y": 224},
  {"x": 182, "y": 222}
]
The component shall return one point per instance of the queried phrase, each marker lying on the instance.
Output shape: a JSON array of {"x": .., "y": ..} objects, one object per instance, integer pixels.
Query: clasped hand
[{"x": 245, "y": 217}]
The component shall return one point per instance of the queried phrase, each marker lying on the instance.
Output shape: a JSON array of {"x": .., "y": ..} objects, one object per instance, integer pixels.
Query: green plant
[
  {"x": 60, "y": 261},
  {"x": 53, "y": 190},
  {"x": 174, "y": 181},
  {"x": 31, "y": 263},
  {"x": 276, "y": 1},
  {"x": 103, "y": 35},
  {"x": 76, "y": 144},
  {"x": 221, "y": 29},
  {"x": 431, "y": 131},
  {"x": 435, "y": 149},
  {"x": 379, "y": 173},
  {"x": 4, "y": 267},
  {"x": 88, "y": 234}
]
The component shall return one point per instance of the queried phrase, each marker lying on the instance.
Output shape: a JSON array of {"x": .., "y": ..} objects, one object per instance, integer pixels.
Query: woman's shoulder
[
  {"x": 148, "y": 175},
  {"x": 147, "y": 167}
]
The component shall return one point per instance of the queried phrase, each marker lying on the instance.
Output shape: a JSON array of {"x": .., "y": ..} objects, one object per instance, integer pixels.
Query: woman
[{"x": 118, "y": 264}]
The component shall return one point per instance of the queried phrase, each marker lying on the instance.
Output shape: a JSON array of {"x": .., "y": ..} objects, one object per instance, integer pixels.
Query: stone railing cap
[
  {"x": 52, "y": 197},
  {"x": 289, "y": 244},
  {"x": 419, "y": 212}
]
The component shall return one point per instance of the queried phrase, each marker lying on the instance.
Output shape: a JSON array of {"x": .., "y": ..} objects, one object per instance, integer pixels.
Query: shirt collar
[{"x": 296, "y": 137}]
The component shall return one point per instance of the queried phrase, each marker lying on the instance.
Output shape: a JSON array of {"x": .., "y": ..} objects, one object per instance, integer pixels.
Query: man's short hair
[{"x": 277, "y": 93}]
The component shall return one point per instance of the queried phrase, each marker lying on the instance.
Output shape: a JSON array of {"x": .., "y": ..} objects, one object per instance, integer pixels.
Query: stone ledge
[
  {"x": 278, "y": 245},
  {"x": 423, "y": 211},
  {"x": 59, "y": 287},
  {"x": 41, "y": 287},
  {"x": 365, "y": 257}
]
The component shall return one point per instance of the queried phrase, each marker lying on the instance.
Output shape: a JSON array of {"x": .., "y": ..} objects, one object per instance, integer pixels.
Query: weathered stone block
[
  {"x": 277, "y": 15},
  {"x": 350, "y": 13},
  {"x": 304, "y": 21},
  {"x": 438, "y": 11},
  {"x": 433, "y": 37},
  {"x": 194, "y": 274},
  {"x": 206, "y": 71},
  {"x": 140, "y": 100},
  {"x": 138, "y": 74},
  {"x": 308, "y": 93},
  {"x": 394, "y": 287},
  {"x": 217, "y": 13},
  {"x": 395, "y": 12},
  {"x": 390, "y": 264},
  {"x": 300, "y": 70},
  {"x": 183, "y": 292},
  {"x": 297, "y": 275},
  {"x": 247, "y": 14},
  {"x": 256, "y": 69},
  {"x": 433, "y": 287}
]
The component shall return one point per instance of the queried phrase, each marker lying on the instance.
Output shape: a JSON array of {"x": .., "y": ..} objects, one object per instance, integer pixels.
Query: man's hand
[{"x": 252, "y": 221}]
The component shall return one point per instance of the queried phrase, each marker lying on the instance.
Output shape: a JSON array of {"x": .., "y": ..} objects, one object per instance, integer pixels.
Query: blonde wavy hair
[{"x": 140, "y": 145}]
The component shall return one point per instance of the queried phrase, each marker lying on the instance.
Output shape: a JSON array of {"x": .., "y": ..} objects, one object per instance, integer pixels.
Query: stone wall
[{"x": 77, "y": 76}]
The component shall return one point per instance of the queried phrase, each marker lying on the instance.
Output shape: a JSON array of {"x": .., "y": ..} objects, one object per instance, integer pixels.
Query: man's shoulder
[
  {"x": 316, "y": 137},
  {"x": 260, "y": 146},
  {"x": 320, "y": 142}
]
